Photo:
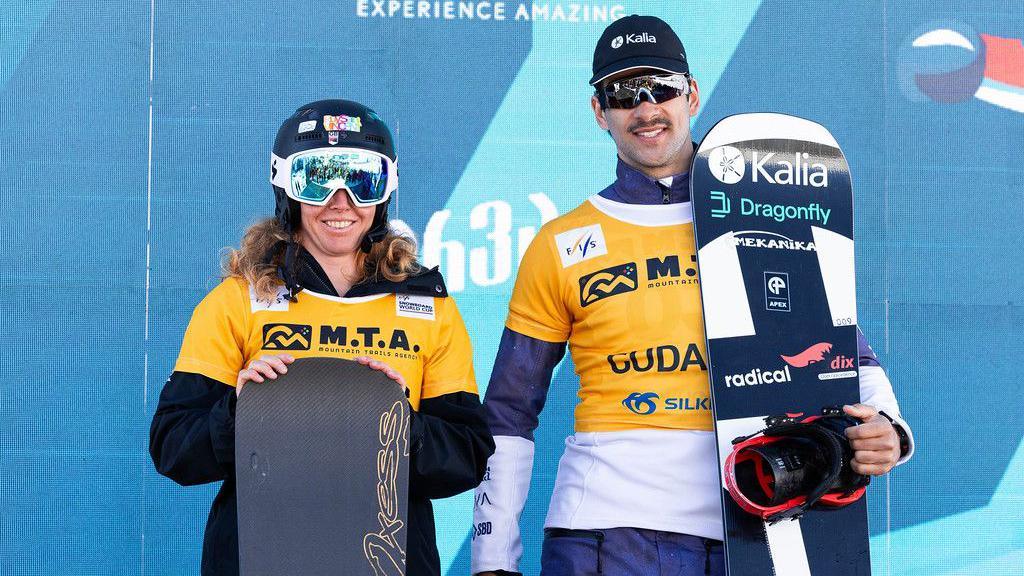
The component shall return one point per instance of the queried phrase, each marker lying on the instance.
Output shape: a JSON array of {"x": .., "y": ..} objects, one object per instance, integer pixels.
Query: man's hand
[{"x": 875, "y": 443}]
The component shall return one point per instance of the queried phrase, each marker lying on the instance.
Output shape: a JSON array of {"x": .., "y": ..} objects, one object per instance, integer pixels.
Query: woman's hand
[
  {"x": 387, "y": 370},
  {"x": 265, "y": 367}
]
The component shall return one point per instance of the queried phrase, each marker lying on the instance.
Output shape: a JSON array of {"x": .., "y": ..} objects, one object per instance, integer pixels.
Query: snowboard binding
[{"x": 794, "y": 464}]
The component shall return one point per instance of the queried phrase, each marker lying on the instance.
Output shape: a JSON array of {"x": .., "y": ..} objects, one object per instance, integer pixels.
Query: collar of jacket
[
  {"x": 634, "y": 187},
  {"x": 428, "y": 282}
]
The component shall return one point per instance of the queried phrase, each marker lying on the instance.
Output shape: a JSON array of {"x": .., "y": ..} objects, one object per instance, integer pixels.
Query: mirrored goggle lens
[
  {"x": 315, "y": 176},
  {"x": 654, "y": 89}
]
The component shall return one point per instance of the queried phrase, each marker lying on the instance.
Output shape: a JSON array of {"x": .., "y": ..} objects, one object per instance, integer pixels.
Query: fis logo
[
  {"x": 724, "y": 205},
  {"x": 608, "y": 282},
  {"x": 776, "y": 291},
  {"x": 641, "y": 403},
  {"x": 579, "y": 244},
  {"x": 727, "y": 164},
  {"x": 287, "y": 336},
  {"x": 277, "y": 303},
  {"x": 815, "y": 353},
  {"x": 582, "y": 244}
]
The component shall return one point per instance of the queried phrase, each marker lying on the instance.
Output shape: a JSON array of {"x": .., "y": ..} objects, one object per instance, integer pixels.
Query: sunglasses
[{"x": 656, "y": 89}]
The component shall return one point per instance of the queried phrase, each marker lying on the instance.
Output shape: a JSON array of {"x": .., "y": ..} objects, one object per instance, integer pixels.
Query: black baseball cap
[{"x": 638, "y": 42}]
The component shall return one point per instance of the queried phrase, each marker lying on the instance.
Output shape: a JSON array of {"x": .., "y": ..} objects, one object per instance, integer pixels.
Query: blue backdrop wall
[{"x": 134, "y": 143}]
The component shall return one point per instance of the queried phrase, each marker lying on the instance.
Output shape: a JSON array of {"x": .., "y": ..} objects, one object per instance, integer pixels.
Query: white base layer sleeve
[
  {"x": 498, "y": 505},
  {"x": 876, "y": 390}
]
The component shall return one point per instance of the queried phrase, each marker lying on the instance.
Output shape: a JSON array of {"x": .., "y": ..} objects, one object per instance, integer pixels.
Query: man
[{"x": 635, "y": 493}]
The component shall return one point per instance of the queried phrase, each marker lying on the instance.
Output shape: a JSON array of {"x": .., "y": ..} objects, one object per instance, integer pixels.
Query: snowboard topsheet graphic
[{"x": 773, "y": 218}]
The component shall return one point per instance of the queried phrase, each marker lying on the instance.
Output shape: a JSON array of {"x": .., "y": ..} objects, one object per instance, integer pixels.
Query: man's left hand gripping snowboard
[
  {"x": 322, "y": 466},
  {"x": 773, "y": 219}
]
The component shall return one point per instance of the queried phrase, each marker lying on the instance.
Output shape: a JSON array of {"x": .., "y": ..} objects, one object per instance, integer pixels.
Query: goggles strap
[
  {"x": 283, "y": 253},
  {"x": 289, "y": 268}
]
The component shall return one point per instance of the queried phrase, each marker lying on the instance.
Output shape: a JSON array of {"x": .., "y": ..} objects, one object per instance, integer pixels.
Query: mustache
[{"x": 653, "y": 123}]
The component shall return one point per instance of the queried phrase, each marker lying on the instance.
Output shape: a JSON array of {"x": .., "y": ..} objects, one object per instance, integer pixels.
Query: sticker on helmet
[
  {"x": 343, "y": 122},
  {"x": 307, "y": 126}
]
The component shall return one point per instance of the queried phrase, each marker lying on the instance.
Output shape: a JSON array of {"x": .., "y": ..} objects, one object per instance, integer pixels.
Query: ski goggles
[
  {"x": 313, "y": 176},
  {"x": 656, "y": 89}
]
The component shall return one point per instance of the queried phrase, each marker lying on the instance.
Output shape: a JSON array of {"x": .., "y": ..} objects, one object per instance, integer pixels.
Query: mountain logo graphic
[
  {"x": 608, "y": 282},
  {"x": 287, "y": 336}
]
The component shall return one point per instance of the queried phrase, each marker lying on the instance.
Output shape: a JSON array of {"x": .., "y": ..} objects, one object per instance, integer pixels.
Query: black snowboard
[
  {"x": 322, "y": 469},
  {"x": 773, "y": 219}
]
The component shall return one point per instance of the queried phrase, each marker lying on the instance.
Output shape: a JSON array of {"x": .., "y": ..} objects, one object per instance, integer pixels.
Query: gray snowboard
[{"x": 322, "y": 471}]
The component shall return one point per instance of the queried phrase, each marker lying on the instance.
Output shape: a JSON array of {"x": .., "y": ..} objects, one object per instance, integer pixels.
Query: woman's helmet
[{"x": 328, "y": 146}]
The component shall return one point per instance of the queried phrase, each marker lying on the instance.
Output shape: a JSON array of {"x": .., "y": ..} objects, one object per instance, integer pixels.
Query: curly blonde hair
[{"x": 392, "y": 259}]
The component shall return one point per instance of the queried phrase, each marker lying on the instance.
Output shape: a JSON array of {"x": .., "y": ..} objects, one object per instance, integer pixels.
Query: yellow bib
[
  {"x": 625, "y": 294},
  {"x": 421, "y": 337}
]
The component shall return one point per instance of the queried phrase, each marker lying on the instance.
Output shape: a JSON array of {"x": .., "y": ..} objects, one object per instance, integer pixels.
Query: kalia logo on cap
[{"x": 641, "y": 38}]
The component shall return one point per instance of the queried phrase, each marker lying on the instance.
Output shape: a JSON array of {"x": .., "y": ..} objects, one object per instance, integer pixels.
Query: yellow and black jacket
[{"x": 412, "y": 326}]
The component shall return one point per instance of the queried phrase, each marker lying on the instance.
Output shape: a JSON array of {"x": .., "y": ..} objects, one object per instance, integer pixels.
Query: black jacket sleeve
[
  {"x": 449, "y": 444},
  {"x": 192, "y": 437}
]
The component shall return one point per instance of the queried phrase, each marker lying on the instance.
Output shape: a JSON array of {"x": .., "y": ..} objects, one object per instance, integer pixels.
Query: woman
[{"x": 329, "y": 263}]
